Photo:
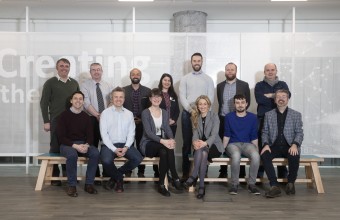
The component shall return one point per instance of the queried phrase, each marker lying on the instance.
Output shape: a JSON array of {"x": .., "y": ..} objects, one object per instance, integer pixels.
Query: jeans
[
  {"x": 107, "y": 156},
  {"x": 235, "y": 151},
  {"x": 280, "y": 151},
  {"x": 187, "y": 140},
  {"x": 71, "y": 155}
]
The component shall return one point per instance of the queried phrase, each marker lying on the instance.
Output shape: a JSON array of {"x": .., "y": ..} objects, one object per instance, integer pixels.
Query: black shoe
[
  {"x": 109, "y": 185},
  {"x": 90, "y": 189},
  {"x": 72, "y": 191},
  {"x": 162, "y": 190},
  {"x": 55, "y": 182},
  {"x": 274, "y": 191},
  {"x": 233, "y": 190},
  {"x": 290, "y": 189},
  {"x": 177, "y": 184},
  {"x": 253, "y": 190},
  {"x": 141, "y": 175},
  {"x": 201, "y": 193},
  {"x": 223, "y": 175},
  {"x": 190, "y": 182},
  {"x": 119, "y": 186}
]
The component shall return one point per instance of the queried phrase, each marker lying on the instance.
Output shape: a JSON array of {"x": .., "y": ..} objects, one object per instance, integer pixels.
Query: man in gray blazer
[
  {"x": 282, "y": 136},
  {"x": 226, "y": 91}
]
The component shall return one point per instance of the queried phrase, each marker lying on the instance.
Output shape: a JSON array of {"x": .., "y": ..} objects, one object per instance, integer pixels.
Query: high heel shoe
[
  {"x": 201, "y": 193},
  {"x": 162, "y": 190},
  {"x": 190, "y": 182}
]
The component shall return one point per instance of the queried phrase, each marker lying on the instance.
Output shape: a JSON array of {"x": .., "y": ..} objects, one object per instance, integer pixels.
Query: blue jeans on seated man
[
  {"x": 235, "y": 151},
  {"x": 71, "y": 155},
  {"x": 107, "y": 156}
]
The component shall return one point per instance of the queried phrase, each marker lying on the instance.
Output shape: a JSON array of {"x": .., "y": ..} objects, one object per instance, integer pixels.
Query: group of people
[{"x": 136, "y": 122}]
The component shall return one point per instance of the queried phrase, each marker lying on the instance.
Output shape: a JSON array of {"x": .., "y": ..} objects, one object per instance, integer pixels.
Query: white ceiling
[{"x": 164, "y": 9}]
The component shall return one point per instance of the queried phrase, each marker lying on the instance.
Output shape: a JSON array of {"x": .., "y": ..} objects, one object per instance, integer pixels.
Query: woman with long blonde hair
[{"x": 206, "y": 142}]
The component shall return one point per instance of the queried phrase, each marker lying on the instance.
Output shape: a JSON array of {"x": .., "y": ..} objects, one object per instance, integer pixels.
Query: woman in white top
[{"x": 157, "y": 140}]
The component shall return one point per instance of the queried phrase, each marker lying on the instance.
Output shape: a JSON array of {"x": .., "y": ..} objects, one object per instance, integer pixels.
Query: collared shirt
[
  {"x": 228, "y": 97},
  {"x": 89, "y": 89},
  {"x": 64, "y": 81},
  {"x": 281, "y": 119},
  {"x": 117, "y": 126}
]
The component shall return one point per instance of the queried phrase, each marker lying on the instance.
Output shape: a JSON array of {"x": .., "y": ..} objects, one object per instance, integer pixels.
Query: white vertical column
[
  {"x": 293, "y": 20},
  {"x": 133, "y": 20},
  {"x": 27, "y": 105}
]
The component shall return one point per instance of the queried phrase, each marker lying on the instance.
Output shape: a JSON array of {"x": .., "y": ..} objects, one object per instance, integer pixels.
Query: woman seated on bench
[
  {"x": 206, "y": 142},
  {"x": 75, "y": 135},
  {"x": 157, "y": 140}
]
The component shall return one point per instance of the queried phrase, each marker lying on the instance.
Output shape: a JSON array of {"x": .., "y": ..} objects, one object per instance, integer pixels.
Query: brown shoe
[
  {"x": 72, "y": 191},
  {"x": 274, "y": 191},
  {"x": 119, "y": 186},
  {"x": 90, "y": 189},
  {"x": 290, "y": 189}
]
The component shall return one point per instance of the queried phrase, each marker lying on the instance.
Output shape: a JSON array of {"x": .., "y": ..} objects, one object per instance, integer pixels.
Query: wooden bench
[
  {"x": 49, "y": 159},
  {"x": 310, "y": 163}
]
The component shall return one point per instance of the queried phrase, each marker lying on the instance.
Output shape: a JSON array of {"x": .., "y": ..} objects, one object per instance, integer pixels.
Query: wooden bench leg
[
  {"x": 309, "y": 175},
  {"x": 48, "y": 174},
  {"x": 41, "y": 176},
  {"x": 317, "y": 177}
]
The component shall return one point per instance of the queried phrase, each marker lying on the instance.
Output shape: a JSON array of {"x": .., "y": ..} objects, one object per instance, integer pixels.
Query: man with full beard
[
  {"x": 240, "y": 139},
  {"x": 136, "y": 101},
  {"x": 191, "y": 86},
  {"x": 226, "y": 91}
]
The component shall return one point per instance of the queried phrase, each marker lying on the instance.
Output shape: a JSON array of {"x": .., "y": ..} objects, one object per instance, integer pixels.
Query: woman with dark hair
[
  {"x": 169, "y": 100},
  {"x": 206, "y": 142},
  {"x": 157, "y": 140}
]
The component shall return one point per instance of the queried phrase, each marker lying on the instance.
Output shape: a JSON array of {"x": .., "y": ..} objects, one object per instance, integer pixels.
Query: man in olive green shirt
[{"x": 55, "y": 94}]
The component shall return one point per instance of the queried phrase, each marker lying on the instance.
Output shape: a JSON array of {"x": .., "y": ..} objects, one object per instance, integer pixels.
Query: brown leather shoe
[
  {"x": 90, "y": 189},
  {"x": 72, "y": 191},
  {"x": 119, "y": 186}
]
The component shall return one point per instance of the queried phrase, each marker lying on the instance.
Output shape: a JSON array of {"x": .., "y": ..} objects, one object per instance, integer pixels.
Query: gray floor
[{"x": 141, "y": 201}]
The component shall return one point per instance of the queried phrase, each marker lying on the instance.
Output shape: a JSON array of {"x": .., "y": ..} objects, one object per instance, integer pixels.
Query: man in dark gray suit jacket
[
  {"x": 136, "y": 100},
  {"x": 282, "y": 136},
  {"x": 226, "y": 91}
]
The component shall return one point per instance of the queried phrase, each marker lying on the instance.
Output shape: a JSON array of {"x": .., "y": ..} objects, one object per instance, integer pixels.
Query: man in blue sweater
[
  {"x": 265, "y": 98},
  {"x": 240, "y": 138}
]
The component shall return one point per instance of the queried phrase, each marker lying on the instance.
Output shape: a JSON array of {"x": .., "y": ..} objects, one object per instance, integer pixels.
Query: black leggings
[{"x": 166, "y": 159}]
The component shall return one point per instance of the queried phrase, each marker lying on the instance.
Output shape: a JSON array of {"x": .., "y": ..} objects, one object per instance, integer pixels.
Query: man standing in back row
[
  {"x": 97, "y": 97},
  {"x": 54, "y": 98},
  {"x": 265, "y": 98},
  {"x": 226, "y": 91},
  {"x": 136, "y": 100},
  {"x": 192, "y": 86}
]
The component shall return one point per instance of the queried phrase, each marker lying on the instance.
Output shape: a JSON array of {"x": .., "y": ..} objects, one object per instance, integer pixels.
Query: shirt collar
[
  {"x": 197, "y": 73},
  {"x": 59, "y": 79},
  {"x": 231, "y": 82}
]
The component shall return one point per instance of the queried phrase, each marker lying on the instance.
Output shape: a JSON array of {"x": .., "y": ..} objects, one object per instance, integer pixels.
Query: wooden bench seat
[
  {"x": 309, "y": 162},
  {"x": 49, "y": 159}
]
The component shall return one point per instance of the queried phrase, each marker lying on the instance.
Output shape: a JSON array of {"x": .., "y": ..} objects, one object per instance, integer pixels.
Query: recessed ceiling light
[
  {"x": 135, "y": 0},
  {"x": 289, "y": 0}
]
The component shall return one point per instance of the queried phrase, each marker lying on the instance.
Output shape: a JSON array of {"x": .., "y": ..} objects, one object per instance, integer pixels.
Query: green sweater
[{"x": 55, "y": 95}]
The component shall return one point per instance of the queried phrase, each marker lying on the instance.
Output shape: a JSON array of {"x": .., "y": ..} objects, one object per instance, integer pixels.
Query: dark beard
[
  {"x": 231, "y": 78},
  {"x": 195, "y": 68},
  {"x": 135, "y": 81}
]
